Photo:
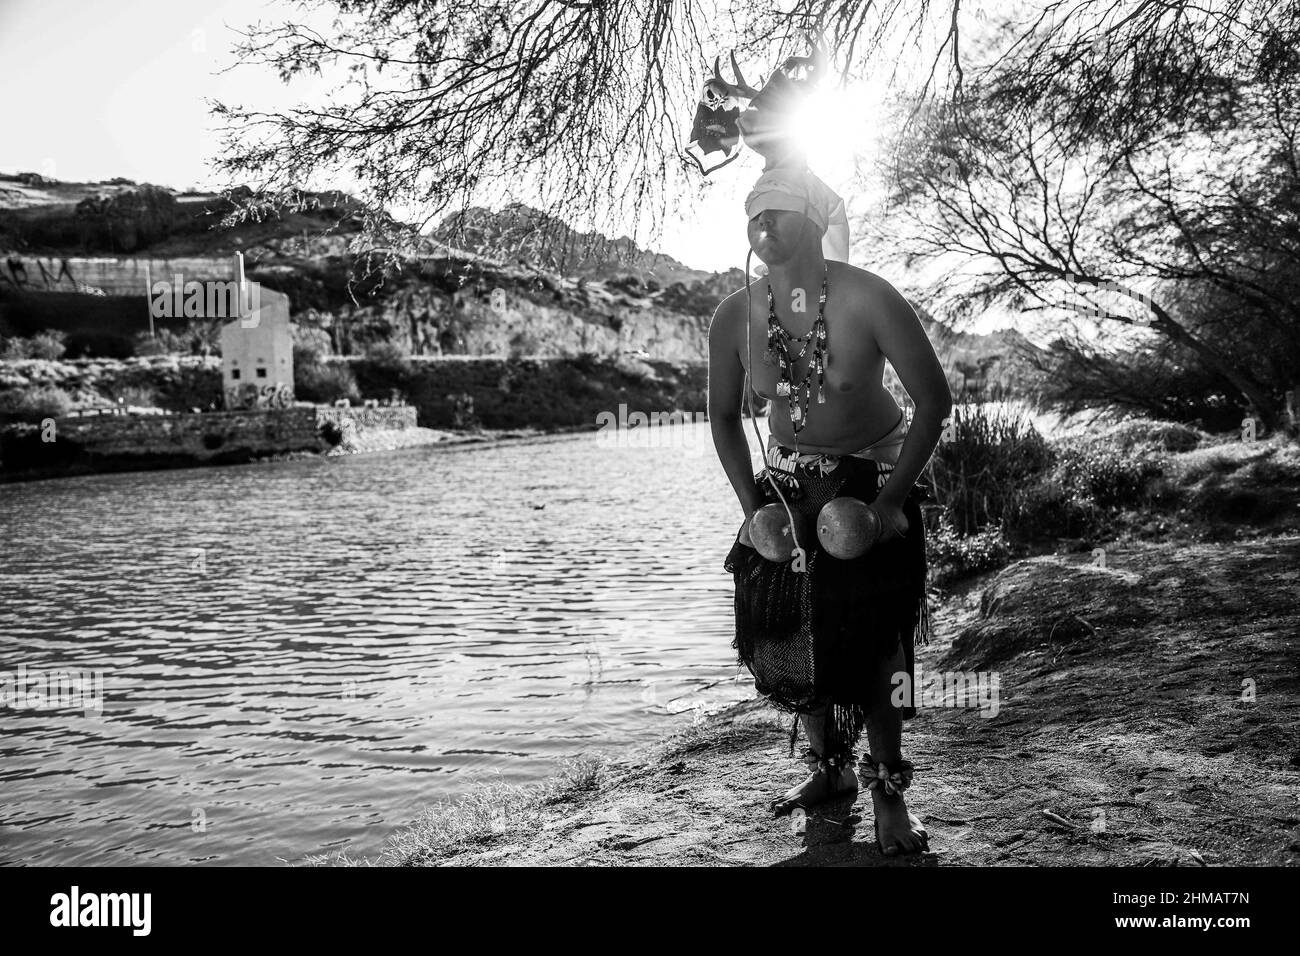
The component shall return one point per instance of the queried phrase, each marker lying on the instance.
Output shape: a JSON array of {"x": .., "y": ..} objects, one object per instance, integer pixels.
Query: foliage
[
  {"x": 953, "y": 556},
  {"x": 998, "y": 474},
  {"x": 1145, "y": 434},
  {"x": 128, "y": 220},
  {"x": 437, "y": 103},
  {"x": 388, "y": 358},
  {"x": 1162, "y": 382},
  {"x": 195, "y": 338},
  {"x": 1129, "y": 171},
  {"x": 1103, "y": 475},
  {"x": 1083, "y": 490},
  {"x": 34, "y": 404},
  {"x": 325, "y": 382},
  {"x": 988, "y": 455},
  {"x": 44, "y": 345}
]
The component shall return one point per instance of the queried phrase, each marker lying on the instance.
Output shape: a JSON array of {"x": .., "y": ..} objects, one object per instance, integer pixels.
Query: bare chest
[{"x": 851, "y": 360}]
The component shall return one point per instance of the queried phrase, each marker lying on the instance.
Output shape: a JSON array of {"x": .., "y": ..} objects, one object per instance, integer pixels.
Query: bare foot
[
  {"x": 897, "y": 830},
  {"x": 820, "y": 786}
]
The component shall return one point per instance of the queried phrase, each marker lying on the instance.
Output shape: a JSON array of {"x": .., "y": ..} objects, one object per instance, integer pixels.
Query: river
[{"x": 299, "y": 657}]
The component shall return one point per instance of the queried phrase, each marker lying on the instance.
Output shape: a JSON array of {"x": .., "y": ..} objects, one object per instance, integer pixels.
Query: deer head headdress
[{"x": 716, "y": 132}]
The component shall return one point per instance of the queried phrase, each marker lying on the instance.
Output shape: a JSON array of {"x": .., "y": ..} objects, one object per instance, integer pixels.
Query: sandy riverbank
[{"x": 1148, "y": 715}]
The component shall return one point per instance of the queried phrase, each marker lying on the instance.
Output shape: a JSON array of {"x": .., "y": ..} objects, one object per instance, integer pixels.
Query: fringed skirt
[{"x": 816, "y": 639}]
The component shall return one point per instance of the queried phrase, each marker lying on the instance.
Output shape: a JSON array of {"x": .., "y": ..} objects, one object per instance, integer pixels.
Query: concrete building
[
  {"x": 257, "y": 354},
  {"x": 153, "y": 293}
]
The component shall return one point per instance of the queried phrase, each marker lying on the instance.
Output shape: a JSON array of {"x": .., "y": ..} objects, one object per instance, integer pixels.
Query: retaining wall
[{"x": 127, "y": 442}]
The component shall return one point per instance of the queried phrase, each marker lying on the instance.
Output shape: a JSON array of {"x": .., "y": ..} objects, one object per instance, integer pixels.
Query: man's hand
[{"x": 893, "y": 523}]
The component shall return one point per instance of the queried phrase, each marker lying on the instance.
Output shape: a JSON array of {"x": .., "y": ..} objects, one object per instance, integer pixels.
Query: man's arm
[
  {"x": 726, "y": 390},
  {"x": 903, "y": 341}
]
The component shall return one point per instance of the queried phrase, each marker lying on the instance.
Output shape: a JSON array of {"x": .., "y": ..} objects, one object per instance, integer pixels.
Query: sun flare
[{"x": 840, "y": 126}]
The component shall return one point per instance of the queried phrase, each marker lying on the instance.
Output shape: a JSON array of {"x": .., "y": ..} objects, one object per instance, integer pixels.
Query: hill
[
  {"x": 993, "y": 363},
  {"x": 441, "y": 300},
  {"x": 528, "y": 236},
  {"x": 512, "y": 282}
]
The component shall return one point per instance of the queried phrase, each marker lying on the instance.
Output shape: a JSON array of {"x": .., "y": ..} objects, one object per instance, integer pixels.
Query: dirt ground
[{"x": 1148, "y": 715}]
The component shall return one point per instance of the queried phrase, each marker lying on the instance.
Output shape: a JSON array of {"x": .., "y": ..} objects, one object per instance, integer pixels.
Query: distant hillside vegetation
[{"x": 511, "y": 283}]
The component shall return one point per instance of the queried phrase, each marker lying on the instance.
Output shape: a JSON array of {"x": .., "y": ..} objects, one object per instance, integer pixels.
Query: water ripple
[{"x": 305, "y": 654}]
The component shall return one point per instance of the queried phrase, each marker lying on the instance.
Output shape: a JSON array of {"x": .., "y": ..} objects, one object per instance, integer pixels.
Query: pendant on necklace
[
  {"x": 783, "y": 389},
  {"x": 796, "y": 414}
]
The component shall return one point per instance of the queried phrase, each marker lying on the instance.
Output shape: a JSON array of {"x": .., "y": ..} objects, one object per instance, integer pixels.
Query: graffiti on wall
[
  {"x": 249, "y": 395},
  {"x": 121, "y": 277},
  {"x": 42, "y": 275}
]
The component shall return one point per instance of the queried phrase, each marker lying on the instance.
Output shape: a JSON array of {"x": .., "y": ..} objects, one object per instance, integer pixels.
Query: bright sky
[
  {"x": 101, "y": 90},
  {"x": 106, "y": 90}
]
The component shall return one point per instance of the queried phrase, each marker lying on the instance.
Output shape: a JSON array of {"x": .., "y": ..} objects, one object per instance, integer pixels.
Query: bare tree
[
  {"x": 438, "y": 101},
  {"x": 441, "y": 98},
  {"x": 1043, "y": 204},
  {"x": 586, "y": 104}
]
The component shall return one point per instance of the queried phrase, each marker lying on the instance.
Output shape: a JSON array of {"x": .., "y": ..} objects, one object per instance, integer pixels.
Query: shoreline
[
  {"x": 372, "y": 441},
  {"x": 1095, "y": 756}
]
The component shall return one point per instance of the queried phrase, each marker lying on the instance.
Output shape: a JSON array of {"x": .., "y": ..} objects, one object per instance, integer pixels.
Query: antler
[
  {"x": 744, "y": 87},
  {"x": 721, "y": 89},
  {"x": 814, "y": 64}
]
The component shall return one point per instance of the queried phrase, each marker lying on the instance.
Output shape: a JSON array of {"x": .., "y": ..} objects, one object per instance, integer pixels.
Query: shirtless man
[{"x": 867, "y": 321}]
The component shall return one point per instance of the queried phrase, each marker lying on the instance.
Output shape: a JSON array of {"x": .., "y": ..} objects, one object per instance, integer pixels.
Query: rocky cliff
[{"x": 587, "y": 294}]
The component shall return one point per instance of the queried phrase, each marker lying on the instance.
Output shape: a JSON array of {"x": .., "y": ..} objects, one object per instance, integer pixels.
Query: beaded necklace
[{"x": 779, "y": 343}]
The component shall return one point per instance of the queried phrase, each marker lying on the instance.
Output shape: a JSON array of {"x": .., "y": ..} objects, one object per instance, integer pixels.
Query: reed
[{"x": 989, "y": 455}]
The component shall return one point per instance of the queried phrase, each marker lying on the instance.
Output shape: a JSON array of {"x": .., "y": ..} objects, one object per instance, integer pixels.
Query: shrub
[
  {"x": 1048, "y": 509},
  {"x": 1086, "y": 484},
  {"x": 34, "y": 404},
  {"x": 980, "y": 475},
  {"x": 98, "y": 343},
  {"x": 462, "y": 411},
  {"x": 48, "y": 345},
  {"x": 308, "y": 333},
  {"x": 1104, "y": 475},
  {"x": 586, "y": 362},
  {"x": 387, "y": 354},
  {"x": 953, "y": 556},
  {"x": 1279, "y": 467},
  {"x": 145, "y": 345},
  {"x": 305, "y": 354},
  {"x": 327, "y": 384},
  {"x": 189, "y": 387},
  {"x": 386, "y": 368},
  {"x": 168, "y": 342},
  {"x": 1145, "y": 433}
]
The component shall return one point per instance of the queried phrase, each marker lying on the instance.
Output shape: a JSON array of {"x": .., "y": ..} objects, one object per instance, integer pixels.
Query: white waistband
[
  {"x": 887, "y": 448},
  {"x": 884, "y": 450}
]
